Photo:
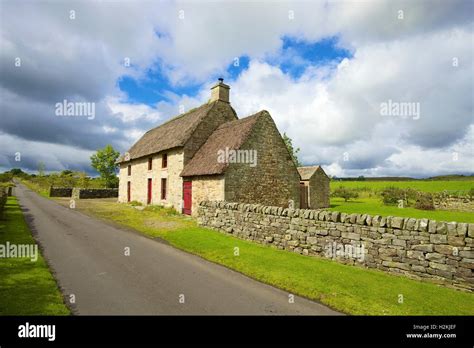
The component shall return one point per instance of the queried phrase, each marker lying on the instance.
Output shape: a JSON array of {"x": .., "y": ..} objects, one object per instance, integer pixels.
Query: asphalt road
[{"x": 88, "y": 259}]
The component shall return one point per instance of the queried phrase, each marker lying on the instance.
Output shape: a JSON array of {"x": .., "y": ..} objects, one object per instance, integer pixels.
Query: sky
[{"x": 324, "y": 70}]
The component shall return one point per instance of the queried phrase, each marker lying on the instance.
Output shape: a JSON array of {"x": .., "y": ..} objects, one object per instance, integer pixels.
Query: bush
[
  {"x": 391, "y": 195},
  {"x": 344, "y": 192},
  {"x": 135, "y": 203},
  {"x": 424, "y": 201},
  {"x": 3, "y": 200}
]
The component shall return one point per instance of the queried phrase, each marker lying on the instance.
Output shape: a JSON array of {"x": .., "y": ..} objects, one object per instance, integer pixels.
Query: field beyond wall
[{"x": 370, "y": 200}]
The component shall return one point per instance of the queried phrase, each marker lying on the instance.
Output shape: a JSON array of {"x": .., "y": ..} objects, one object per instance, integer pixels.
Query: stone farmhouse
[{"x": 208, "y": 153}]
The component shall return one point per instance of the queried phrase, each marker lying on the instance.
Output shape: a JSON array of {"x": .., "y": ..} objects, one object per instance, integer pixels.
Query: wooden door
[
  {"x": 148, "y": 200},
  {"x": 187, "y": 197},
  {"x": 129, "y": 191},
  {"x": 303, "y": 196}
]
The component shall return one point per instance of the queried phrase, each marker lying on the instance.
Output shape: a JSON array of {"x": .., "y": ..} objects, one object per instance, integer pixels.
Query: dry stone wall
[
  {"x": 60, "y": 191},
  {"x": 80, "y": 193},
  {"x": 444, "y": 202},
  {"x": 418, "y": 248}
]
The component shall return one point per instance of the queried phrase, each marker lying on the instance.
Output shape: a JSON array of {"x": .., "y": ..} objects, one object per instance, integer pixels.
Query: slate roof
[{"x": 307, "y": 172}]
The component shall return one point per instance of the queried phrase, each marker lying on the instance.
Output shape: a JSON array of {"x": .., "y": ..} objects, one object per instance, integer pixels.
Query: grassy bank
[
  {"x": 41, "y": 190},
  {"x": 345, "y": 288},
  {"x": 26, "y": 287}
]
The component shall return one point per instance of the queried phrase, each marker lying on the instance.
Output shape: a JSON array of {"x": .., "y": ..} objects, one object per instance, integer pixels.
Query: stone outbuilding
[
  {"x": 208, "y": 153},
  {"x": 314, "y": 186}
]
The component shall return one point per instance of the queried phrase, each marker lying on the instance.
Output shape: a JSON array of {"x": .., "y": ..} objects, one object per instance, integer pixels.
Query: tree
[
  {"x": 83, "y": 180},
  {"x": 41, "y": 168},
  {"x": 103, "y": 161},
  {"x": 17, "y": 172},
  {"x": 291, "y": 149},
  {"x": 345, "y": 193}
]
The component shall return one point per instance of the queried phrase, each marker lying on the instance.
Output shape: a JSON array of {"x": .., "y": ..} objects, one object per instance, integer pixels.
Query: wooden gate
[
  {"x": 303, "y": 196},
  {"x": 187, "y": 197}
]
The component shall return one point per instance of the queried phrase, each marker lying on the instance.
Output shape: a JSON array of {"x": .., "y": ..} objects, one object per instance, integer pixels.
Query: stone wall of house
[
  {"x": 140, "y": 175},
  {"x": 319, "y": 190},
  {"x": 81, "y": 193},
  {"x": 274, "y": 179},
  {"x": 418, "y": 248},
  {"x": 60, "y": 191},
  {"x": 220, "y": 113},
  {"x": 206, "y": 188}
]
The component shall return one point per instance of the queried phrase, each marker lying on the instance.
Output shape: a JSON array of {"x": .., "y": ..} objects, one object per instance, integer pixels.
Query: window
[
  {"x": 164, "y": 161},
  {"x": 163, "y": 188},
  {"x": 129, "y": 170},
  {"x": 150, "y": 163}
]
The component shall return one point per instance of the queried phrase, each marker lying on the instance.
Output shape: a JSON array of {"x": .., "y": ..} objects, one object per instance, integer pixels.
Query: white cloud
[{"x": 329, "y": 110}]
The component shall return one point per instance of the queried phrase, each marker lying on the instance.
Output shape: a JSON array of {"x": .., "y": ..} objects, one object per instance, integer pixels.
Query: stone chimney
[{"x": 220, "y": 91}]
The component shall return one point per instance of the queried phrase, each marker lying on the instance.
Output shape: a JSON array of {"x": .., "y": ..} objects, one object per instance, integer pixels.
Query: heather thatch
[
  {"x": 307, "y": 172},
  {"x": 231, "y": 135},
  {"x": 171, "y": 134}
]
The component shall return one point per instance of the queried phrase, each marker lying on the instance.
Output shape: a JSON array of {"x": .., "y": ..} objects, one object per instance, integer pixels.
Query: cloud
[{"x": 331, "y": 108}]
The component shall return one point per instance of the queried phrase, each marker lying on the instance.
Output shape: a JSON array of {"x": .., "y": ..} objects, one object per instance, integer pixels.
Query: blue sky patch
[
  {"x": 297, "y": 55},
  {"x": 293, "y": 58}
]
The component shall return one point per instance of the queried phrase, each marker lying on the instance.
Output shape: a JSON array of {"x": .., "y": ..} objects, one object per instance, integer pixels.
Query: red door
[
  {"x": 187, "y": 197},
  {"x": 128, "y": 191},
  {"x": 148, "y": 201}
]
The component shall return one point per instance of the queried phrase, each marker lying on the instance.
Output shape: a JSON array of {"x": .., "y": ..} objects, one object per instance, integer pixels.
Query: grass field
[
  {"x": 420, "y": 185},
  {"x": 26, "y": 287},
  {"x": 370, "y": 201},
  {"x": 374, "y": 206},
  {"x": 345, "y": 288}
]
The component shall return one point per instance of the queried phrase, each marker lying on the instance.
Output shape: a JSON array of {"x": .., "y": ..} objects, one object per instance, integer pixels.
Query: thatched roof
[
  {"x": 307, "y": 172},
  {"x": 171, "y": 134},
  {"x": 228, "y": 135}
]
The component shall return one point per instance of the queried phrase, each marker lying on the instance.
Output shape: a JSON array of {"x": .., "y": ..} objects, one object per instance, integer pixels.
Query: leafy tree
[
  {"x": 103, "y": 161},
  {"x": 41, "y": 167},
  {"x": 66, "y": 172},
  {"x": 83, "y": 180},
  {"x": 17, "y": 172},
  {"x": 293, "y": 151},
  {"x": 345, "y": 193}
]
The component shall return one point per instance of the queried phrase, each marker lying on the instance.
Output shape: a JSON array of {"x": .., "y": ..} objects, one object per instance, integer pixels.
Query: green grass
[
  {"x": 421, "y": 185},
  {"x": 374, "y": 206},
  {"x": 41, "y": 190},
  {"x": 26, "y": 287},
  {"x": 349, "y": 289}
]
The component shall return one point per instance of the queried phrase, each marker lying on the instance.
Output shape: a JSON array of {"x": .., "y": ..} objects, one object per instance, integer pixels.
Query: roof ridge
[
  {"x": 240, "y": 120},
  {"x": 180, "y": 116}
]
